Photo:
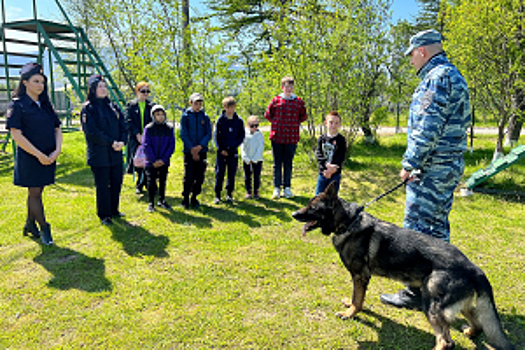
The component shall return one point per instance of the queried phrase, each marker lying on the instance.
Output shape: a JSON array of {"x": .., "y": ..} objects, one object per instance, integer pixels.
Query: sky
[{"x": 47, "y": 9}]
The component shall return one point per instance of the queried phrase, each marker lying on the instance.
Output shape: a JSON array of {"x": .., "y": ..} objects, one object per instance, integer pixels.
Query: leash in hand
[{"x": 414, "y": 174}]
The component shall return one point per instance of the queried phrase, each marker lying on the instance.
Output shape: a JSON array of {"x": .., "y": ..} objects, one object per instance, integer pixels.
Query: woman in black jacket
[
  {"x": 105, "y": 131},
  {"x": 138, "y": 115}
]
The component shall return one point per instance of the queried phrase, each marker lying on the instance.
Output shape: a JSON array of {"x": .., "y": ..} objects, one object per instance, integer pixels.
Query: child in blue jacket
[
  {"x": 159, "y": 143},
  {"x": 195, "y": 132}
]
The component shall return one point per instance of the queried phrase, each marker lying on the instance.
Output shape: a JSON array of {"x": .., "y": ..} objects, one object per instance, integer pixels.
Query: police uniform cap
[
  {"x": 95, "y": 79},
  {"x": 30, "y": 69},
  {"x": 423, "y": 38}
]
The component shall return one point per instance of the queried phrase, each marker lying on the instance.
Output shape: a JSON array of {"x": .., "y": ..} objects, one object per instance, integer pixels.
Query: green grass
[{"x": 236, "y": 276}]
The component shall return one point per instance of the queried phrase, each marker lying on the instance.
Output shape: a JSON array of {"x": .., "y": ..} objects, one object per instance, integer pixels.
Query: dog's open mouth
[{"x": 308, "y": 227}]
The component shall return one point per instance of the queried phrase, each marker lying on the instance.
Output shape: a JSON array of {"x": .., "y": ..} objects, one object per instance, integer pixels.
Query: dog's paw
[
  {"x": 347, "y": 302},
  {"x": 471, "y": 332},
  {"x": 348, "y": 313}
]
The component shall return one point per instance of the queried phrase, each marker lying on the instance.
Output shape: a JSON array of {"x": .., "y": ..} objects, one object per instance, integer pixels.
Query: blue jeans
[
  {"x": 283, "y": 163},
  {"x": 323, "y": 182}
]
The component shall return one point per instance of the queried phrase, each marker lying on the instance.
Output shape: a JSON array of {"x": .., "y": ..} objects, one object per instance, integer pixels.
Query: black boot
[
  {"x": 195, "y": 202},
  {"x": 408, "y": 298},
  {"x": 30, "y": 227},
  {"x": 46, "y": 235}
]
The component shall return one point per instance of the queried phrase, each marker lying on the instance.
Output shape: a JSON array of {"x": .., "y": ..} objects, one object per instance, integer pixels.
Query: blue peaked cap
[{"x": 423, "y": 38}]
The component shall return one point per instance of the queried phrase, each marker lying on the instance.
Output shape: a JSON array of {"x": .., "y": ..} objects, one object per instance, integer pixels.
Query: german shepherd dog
[{"x": 448, "y": 280}]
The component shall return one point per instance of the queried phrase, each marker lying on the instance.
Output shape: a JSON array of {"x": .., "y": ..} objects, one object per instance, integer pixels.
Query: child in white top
[{"x": 252, "y": 150}]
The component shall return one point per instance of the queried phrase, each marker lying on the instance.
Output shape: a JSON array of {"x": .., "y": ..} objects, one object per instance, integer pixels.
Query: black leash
[
  {"x": 402, "y": 183},
  {"x": 415, "y": 175}
]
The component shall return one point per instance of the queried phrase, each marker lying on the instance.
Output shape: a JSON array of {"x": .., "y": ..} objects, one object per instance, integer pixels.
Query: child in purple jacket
[{"x": 159, "y": 143}]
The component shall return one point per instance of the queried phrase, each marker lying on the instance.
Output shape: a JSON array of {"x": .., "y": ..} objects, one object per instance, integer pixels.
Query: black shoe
[
  {"x": 106, "y": 221},
  {"x": 30, "y": 227},
  {"x": 408, "y": 298},
  {"x": 164, "y": 205},
  {"x": 195, "y": 203},
  {"x": 151, "y": 208},
  {"x": 185, "y": 203},
  {"x": 46, "y": 235}
]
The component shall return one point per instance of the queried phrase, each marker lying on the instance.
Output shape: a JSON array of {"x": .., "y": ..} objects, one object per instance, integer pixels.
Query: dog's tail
[{"x": 488, "y": 316}]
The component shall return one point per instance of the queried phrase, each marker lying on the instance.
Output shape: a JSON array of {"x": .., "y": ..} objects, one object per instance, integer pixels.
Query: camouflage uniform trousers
[{"x": 429, "y": 201}]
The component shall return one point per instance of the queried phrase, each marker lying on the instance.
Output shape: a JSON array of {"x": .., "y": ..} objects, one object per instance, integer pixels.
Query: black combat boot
[{"x": 408, "y": 298}]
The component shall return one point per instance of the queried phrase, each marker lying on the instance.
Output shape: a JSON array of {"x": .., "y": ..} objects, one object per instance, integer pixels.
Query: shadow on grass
[
  {"x": 393, "y": 335},
  {"x": 73, "y": 270},
  {"x": 251, "y": 212},
  {"x": 514, "y": 326},
  {"x": 137, "y": 241},
  {"x": 185, "y": 217}
]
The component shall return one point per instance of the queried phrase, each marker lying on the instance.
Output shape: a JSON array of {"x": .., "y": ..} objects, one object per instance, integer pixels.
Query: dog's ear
[{"x": 330, "y": 191}]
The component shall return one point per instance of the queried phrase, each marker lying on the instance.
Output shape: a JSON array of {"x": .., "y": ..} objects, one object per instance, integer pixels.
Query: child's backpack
[{"x": 139, "y": 160}]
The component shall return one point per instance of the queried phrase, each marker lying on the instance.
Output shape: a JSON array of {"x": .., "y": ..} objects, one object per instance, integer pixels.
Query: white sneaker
[
  {"x": 276, "y": 193},
  {"x": 288, "y": 192}
]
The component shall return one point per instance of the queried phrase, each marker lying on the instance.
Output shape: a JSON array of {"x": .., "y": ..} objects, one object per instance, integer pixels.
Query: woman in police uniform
[
  {"x": 138, "y": 115},
  {"x": 35, "y": 128},
  {"x": 104, "y": 128}
]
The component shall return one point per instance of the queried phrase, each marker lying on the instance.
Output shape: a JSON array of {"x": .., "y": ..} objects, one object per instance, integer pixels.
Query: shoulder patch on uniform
[
  {"x": 9, "y": 112},
  {"x": 426, "y": 99}
]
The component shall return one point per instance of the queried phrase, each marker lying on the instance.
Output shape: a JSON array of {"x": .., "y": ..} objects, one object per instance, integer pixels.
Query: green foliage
[{"x": 485, "y": 39}]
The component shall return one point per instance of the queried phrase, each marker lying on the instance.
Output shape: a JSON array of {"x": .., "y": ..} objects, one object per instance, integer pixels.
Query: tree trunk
[{"x": 515, "y": 120}]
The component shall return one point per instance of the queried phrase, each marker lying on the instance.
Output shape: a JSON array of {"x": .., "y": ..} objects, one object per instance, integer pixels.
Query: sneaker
[
  {"x": 229, "y": 199},
  {"x": 185, "y": 203},
  {"x": 248, "y": 196},
  {"x": 138, "y": 190},
  {"x": 276, "y": 193},
  {"x": 163, "y": 204},
  {"x": 288, "y": 192},
  {"x": 151, "y": 208},
  {"x": 195, "y": 203},
  {"x": 256, "y": 195},
  {"x": 216, "y": 200}
]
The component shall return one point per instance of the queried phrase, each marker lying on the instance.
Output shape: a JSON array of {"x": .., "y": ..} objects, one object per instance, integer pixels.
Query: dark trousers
[
  {"x": 193, "y": 174},
  {"x": 141, "y": 178},
  {"x": 108, "y": 182},
  {"x": 283, "y": 155},
  {"x": 152, "y": 174},
  {"x": 223, "y": 163},
  {"x": 255, "y": 169}
]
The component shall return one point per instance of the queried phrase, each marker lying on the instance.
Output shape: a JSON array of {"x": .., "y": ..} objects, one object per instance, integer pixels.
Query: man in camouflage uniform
[{"x": 436, "y": 140}]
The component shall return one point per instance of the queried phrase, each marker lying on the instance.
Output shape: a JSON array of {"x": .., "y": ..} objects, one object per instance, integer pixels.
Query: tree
[
  {"x": 150, "y": 40},
  {"x": 428, "y": 16},
  {"x": 337, "y": 52},
  {"x": 485, "y": 39}
]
